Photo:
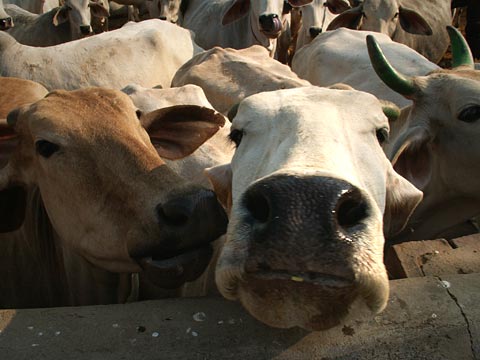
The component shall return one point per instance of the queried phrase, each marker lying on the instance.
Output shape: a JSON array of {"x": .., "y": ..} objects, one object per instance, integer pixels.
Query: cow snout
[
  {"x": 85, "y": 29},
  {"x": 314, "y": 31},
  {"x": 6, "y": 23},
  {"x": 162, "y": 17},
  {"x": 270, "y": 25}
]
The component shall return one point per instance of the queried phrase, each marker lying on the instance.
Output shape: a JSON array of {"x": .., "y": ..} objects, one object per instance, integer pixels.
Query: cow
[
  {"x": 316, "y": 17},
  {"x": 309, "y": 192},
  {"x": 341, "y": 56},
  {"x": 436, "y": 148},
  {"x": 148, "y": 53},
  {"x": 235, "y": 23},
  {"x": 86, "y": 199},
  {"x": 35, "y": 6},
  {"x": 164, "y": 9},
  {"x": 70, "y": 22},
  {"x": 228, "y": 75},
  {"x": 6, "y": 21},
  {"x": 417, "y": 24},
  {"x": 17, "y": 92}
]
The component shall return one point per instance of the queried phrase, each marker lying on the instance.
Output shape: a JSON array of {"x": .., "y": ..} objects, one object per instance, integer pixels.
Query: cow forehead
[
  {"x": 289, "y": 107},
  {"x": 81, "y": 109}
]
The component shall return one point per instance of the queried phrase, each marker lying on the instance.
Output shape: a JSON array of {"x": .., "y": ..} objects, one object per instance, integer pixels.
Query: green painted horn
[
  {"x": 392, "y": 78},
  {"x": 461, "y": 54}
]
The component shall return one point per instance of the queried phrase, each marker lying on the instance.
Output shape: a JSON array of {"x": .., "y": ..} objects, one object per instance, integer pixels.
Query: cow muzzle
[
  {"x": 270, "y": 25},
  {"x": 188, "y": 224},
  {"x": 314, "y": 31},
  {"x": 308, "y": 239},
  {"x": 86, "y": 29},
  {"x": 6, "y": 23}
]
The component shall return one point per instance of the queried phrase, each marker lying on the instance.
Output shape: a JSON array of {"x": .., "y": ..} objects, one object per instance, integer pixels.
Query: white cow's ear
[
  {"x": 61, "y": 16},
  {"x": 12, "y": 197},
  {"x": 98, "y": 10},
  {"x": 338, "y": 6},
  {"x": 351, "y": 19},
  {"x": 221, "y": 179},
  {"x": 401, "y": 200},
  {"x": 413, "y": 23},
  {"x": 239, "y": 9},
  {"x": 177, "y": 131}
]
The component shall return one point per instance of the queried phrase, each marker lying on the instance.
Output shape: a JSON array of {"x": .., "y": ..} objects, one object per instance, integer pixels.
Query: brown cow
[{"x": 86, "y": 200}]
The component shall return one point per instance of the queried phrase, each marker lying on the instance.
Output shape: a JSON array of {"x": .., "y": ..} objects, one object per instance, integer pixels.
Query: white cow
[
  {"x": 405, "y": 21},
  {"x": 309, "y": 184},
  {"x": 6, "y": 21},
  {"x": 228, "y": 75},
  {"x": 341, "y": 56},
  {"x": 235, "y": 23},
  {"x": 168, "y": 10},
  {"x": 148, "y": 53},
  {"x": 70, "y": 22},
  {"x": 35, "y": 6},
  {"x": 437, "y": 148},
  {"x": 316, "y": 17}
]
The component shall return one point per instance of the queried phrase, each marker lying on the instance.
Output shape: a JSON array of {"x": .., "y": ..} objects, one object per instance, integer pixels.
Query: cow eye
[
  {"x": 236, "y": 136},
  {"x": 46, "y": 148},
  {"x": 382, "y": 135},
  {"x": 395, "y": 16},
  {"x": 470, "y": 114}
]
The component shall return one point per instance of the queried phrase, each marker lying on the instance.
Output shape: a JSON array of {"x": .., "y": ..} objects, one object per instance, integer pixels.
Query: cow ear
[
  {"x": 98, "y": 10},
  {"x": 401, "y": 200},
  {"x": 351, "y": 19},
  {"x": 177, "y": 131},
  {"x": 8, "y": 142},
  {"x": 338, "y": 6},
  {"x": 413, "y": 23},
  {"x": 298, "y": 3},
  {"x": 221, "y": 179},
  {"x": 61, "y": 16},
  {"x": 239, "y": 9}
]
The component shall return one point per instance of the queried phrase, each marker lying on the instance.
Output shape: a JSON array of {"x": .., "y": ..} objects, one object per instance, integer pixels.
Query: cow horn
[
  {"x": 461, "y": 54},
  {"x": 392, "y": 78}
]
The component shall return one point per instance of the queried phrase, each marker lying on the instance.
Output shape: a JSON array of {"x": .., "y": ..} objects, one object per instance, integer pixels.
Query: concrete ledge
[{"x": 426, "y": 318}]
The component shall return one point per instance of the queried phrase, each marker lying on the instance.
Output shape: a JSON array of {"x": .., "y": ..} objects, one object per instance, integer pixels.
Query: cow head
[
  {"x": 79, "y": 13},
  {"x": 6, "y": 21},
  {"x": 108, "y": 194},
  {"x": 316, "y": 17},
  {"x": 164, "y": 9},
  {"x": 437, "y": 149},
  {"x": 306, "y": 189},
  {"x": 382, "y": 16},
  {"x": 265, "y": 15}
]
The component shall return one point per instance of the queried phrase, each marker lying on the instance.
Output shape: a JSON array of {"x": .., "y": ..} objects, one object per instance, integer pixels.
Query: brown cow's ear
[
  {"x": 351, "y": 19},
  {"x": 338, "y": 6},
  {"x": 61, "y": 16},
  {"x": 298, "y": 3},
  {"x": 413, "y": 23},
  {"x": 239, "y": 9},
  {"x": 221, "y": 179},
  {"x": 401, "y": 200},
  {"x": 177, "y": 131},
  {"x": 98, "y": 10}
]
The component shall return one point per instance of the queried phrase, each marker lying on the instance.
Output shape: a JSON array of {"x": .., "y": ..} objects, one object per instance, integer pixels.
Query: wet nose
[
  {"x": 270, "y": 23},
  {"x": 6, "y": 23},
  {"x": 193, "y": 219},
  {"x": 313, "y": 207},
  {"x": 314, "y": 31},
  {"x": 85, "y": 29}
]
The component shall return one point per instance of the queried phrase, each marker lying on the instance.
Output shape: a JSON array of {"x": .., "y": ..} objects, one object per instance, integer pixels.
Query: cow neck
[{"x": 7, "y": 41}]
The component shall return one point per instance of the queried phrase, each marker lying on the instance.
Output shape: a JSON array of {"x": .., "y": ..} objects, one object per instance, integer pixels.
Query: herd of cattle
[{"x": 127, "y": 155}]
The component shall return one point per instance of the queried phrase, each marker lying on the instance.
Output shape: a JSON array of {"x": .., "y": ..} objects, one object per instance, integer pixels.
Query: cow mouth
[
  {"x": 174, "y": 271},
  {"x": 312, "y": 278},
  {"x": 273, "y": 30}
]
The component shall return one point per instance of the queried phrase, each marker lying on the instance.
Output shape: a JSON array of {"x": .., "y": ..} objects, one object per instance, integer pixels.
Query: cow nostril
[
  {"x": 258, "y": 207},
  {"x": 162, "y": 18},
  {"x": 314, "y": 31},
  {"x": 173, "y": 213},
  {"x": 351, "y": 210},
  {"x": 85, "y": 30}
]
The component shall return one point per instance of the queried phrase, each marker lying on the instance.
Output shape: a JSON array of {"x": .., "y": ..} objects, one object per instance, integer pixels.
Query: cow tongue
[
  {"x": 175, "y": 271},
  {"x": 274, "y": 32}
]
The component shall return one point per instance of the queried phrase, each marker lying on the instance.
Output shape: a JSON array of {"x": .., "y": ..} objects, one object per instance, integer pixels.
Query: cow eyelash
[{"x": 236, "y": 136}]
